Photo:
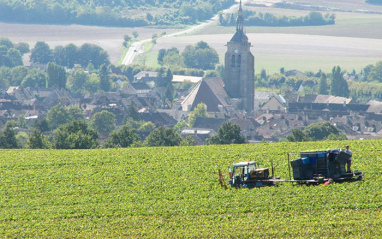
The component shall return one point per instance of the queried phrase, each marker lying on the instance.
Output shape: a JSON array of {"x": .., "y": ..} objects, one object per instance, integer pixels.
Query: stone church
[
  {"x": 239, "y": 75},
  {"x": 236, "y": 91}
]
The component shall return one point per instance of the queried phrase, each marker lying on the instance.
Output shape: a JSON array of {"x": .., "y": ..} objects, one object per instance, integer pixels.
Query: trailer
[{"x": 321, "y": 166}]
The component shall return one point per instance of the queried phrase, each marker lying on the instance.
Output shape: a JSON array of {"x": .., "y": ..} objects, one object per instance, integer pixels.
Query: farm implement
[{"x": 313, "y": 167}]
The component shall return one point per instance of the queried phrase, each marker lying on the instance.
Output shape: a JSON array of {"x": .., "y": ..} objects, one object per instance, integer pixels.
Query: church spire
[{"x": 240, "y": 19}]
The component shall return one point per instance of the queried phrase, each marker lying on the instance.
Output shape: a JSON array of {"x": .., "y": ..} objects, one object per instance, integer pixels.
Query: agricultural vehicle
[{"x": 313, "y": 167}]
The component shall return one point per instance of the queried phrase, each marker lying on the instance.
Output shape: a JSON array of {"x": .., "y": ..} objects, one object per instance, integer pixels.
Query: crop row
[{"x": 174, "y": 192}]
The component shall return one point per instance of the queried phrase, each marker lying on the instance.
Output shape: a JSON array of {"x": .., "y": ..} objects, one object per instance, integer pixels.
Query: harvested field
[
  {"x": 293, "y": 51},
  {"x": 109, "y": 38}
]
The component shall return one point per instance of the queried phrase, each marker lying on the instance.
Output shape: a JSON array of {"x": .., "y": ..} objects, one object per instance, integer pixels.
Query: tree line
[
  {"x": 66, "y": 128},
  {"x": 110, "y": 13},
  {"x": 361, "y": 87},
  {"x": 253, "y": 18}
]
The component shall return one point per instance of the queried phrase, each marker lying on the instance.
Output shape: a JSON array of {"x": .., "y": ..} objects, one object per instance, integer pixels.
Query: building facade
[{"x": 239, "y": 75}]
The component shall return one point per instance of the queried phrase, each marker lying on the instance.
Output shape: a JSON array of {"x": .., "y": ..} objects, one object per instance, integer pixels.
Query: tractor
[
  {"x": 249, "y": 175},
  {"x": 311, "y": 167}
]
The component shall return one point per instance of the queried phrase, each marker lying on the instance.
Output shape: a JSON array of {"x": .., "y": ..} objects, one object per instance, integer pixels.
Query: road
[{"x": 136, "y": 48}]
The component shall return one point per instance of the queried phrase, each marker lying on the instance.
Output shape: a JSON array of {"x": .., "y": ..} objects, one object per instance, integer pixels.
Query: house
[
  {"x": 261, "y": 97},
  {"x": 275, "y": 104},
  {"x": 145, "y": 76},
  {"x": 198, "y": 134}
]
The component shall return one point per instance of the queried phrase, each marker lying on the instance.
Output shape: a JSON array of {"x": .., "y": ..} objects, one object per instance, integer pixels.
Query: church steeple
[
  {"x": 240, "y": 19},
  {"x": 239, "y": 71}
]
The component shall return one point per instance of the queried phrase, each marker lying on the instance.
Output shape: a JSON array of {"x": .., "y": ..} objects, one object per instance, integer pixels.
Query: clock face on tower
[{"x": 236, "y": 51}]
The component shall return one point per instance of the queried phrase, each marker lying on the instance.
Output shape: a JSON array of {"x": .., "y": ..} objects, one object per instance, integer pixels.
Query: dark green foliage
[
  {"x": 163, "y": 137},
  {"x": 200, "y": 56},
  {"x": 103, "y": 122},
  {"x": 297, "y": 136},
  {"x": 122, "y": 138},
  {"x": 10, "y": 56},
  {"x": 228, "y": 133},
  {"x": 323, "y": 87},
  {"x": 37, "y": 140},
  {"x": 104, "y": 77},
  {"x": 59, "y": 115},
  {"x": 75, "y": 135},
  {"x": 321, "y": 131},
  {"x": 35, "y": 78},
  {"x": 90, "y": 53},
  {"x": 132, "y": 113},
  {"x": 8, "y": 136},
  {"x": 56, "y": 76},
  {"x": 268, "y": 19},
  {"x": 109, "y": 13},
  {"x": 375, "y": 73},
  {"x": 41, "y": 125},
  {"x": 41, "y": 53},
  {"x": 315, "y": 132},
  {"x": 338, "y": 85}
]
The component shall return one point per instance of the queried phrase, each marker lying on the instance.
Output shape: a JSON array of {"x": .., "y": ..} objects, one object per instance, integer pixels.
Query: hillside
[
  {"x": 174, "y": 192},
  {"x": 124, "y": 13}
]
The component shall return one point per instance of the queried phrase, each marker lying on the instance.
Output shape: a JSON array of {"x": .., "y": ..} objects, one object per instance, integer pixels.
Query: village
[{"x": 273, "y": 119}]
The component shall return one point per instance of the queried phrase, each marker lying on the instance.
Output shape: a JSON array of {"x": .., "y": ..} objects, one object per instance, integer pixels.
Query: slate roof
[
  {"x": 375, "y": 107},
  {"x": 324, "y": 99},
  {"x": 159, "y": 119},
  {"x": 209, "y": 91}
]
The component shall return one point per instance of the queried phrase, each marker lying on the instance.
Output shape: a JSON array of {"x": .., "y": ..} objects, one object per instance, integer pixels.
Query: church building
[{"x": 239, "y": 75}]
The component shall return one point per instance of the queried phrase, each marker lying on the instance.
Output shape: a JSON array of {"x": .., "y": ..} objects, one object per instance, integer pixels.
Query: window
[
  {"x": 233, "y": 61},
  {"x": 238, "y": 61}
]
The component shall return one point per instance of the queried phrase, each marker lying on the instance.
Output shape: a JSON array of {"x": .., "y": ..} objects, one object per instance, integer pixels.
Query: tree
[
  {"x": 297, "y": 136},
  {"x": 127, "y": 38},
  {"x": 41, "y": 53},
  {"x": 200, "y": 56},
  {"x": 163, "y": 137},
  {"x": 75, "y": 135},
  {"x": 135, "y": 34},
  {"x": 122, "y": 138},
  {"x": 199, "y": 111},
  {"x": 21, "y": 121},
  {"x": 104, "y": 78},
  {"x": 147, "y": 127},
  {"x": 56, "y": 76},
  {"x": 35, "y": 78},
  {"x": 75, "y": 113},
  {"x": 77, "y": 82},
  {"x": 8, "y": 136},
  {"x": 57, "y": 115},
  {"x": 180, "y": 125},
  {"x": 37, "y": 140},
  {"x": 375, "y": 73},
  {"x": 323, "y": 85},
  {"x": 228, "y": 133},
  {"x": 14, "y": 57},
  {"x": 23, "y": 48},
  {"x": 132, "y": 113},
  {"x": 103, "y": 122},
  {"x": 338, "y": 85},
  {"x": 321, "y": 131}
]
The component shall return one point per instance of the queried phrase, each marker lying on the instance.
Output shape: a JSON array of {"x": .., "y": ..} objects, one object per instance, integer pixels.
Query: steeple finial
[{"x": 240, "y": 19}]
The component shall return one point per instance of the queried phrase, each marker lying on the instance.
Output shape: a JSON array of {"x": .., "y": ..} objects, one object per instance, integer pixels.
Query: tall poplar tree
[
  {"x": 323, "y": 85},
  {"x": 338, "y": 85}
]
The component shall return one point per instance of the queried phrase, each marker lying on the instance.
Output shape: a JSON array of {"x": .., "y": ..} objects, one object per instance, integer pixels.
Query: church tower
[{"x": 239, "y": 74}]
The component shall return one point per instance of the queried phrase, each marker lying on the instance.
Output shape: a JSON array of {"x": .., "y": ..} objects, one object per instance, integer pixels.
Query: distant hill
[{"x": 126, "y": 13}]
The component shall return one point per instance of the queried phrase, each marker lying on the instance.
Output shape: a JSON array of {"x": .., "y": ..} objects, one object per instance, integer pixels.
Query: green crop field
[{"x": 174, "y": 193}]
